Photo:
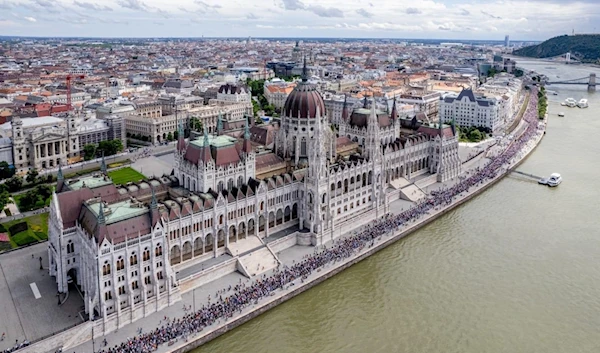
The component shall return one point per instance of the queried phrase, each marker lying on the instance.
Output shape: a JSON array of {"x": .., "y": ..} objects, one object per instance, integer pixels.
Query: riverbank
[
  {"x": 331, "y": 270},
  {"x": 293, "y": 288}
]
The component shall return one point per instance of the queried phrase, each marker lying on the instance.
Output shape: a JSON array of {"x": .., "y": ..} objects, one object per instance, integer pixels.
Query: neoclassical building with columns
[{"x": 134, "y": 249}]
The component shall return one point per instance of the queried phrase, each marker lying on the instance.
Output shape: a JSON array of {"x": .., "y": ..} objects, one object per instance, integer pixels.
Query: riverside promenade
[{"x": 187, "y": 340}]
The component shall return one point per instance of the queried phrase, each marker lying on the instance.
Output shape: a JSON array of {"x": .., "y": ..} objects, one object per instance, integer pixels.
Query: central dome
[{"x": 303, "y": 102}]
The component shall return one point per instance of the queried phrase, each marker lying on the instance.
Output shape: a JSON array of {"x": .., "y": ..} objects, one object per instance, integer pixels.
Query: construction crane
[{"x": 69, "y": 78}]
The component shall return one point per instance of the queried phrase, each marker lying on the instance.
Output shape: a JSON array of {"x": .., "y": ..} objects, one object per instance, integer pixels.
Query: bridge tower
[
  {"x": 592, "y": 82},
  {"x": 568, "y": 58}
]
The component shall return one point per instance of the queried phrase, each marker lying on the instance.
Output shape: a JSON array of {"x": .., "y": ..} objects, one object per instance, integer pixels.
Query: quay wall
[
  {"x": 205, "y": 276},
  {"x": 328, "y": 273}
]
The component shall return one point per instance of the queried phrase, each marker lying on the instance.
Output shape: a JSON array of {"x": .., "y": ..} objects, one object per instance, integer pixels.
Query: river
[{"x": 514, "y": 270}]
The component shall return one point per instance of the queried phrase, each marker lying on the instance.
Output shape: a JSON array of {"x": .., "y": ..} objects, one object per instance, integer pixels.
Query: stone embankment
[{"x": 331, "y": 270}]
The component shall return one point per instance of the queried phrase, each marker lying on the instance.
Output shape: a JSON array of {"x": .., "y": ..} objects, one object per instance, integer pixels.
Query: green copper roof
[
  {"x": 119, "y": 211},
  {"x": 217, "y": 141},
  {"x": 90, "y": 182}
]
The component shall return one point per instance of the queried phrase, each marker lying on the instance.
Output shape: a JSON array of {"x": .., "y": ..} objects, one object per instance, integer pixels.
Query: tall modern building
[{"x": 507, "y": 41}]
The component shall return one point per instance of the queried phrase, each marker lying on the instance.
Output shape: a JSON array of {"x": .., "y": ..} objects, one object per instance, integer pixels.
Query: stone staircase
[{"x": 258, "y": 262}]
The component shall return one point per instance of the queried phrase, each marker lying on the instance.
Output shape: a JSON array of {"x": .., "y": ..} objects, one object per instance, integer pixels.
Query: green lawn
[
  {"x": 125, "y": 175},
  {"x": 38, "y": 230}
]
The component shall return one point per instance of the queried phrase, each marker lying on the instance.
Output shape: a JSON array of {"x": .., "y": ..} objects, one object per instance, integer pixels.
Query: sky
[{"x": 440, "y": 19}]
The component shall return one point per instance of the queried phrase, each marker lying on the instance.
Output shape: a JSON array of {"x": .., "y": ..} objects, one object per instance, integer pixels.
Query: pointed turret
[
  {"x": 220, "y": 124},
  {"x": 247, "y": 146},
  {"x": 345, "y": 109},
  {"x": 60, "y": 179},
  {"x": 365, "y": 103},
  {"x": 453, "y": 124},
  {"x": 394, "y": 114},
  {"x": 154, "y": 215},
  {"x": 304, "y": 71},
  {"x": 181, "y": 138},
  {"x": 101, "y": 219},
  {"x": 206, "y": 155},
  {"x": 103, "y": 168}
]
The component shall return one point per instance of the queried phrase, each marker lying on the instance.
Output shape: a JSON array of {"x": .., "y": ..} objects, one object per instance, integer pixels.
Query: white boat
[
  {"x": 570, "y": 102},
  {"x": 583, "y": 103},
  {"x": 554, "y": 179},
  {"x": 561, "y": 114}
]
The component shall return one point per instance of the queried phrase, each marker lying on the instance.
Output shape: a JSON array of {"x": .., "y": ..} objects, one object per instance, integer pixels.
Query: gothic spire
[
  {"x": 247, "y": 147},
  {"x": 181, "y": 138},
  {"x": 304, "y": 71},
  {"x": 59, "y": 174},
  {"x": 103, "y": 168},
  {"x": 101, "y": 219},
  {"x": 220, "y": 124},
  {"x": 345, "y": 108},
  {"x": 153, "y": 203},
  {"x": 365, "y": 106},
  {"x": 394, "y": 110},
  {"x": 246, "y": 130}
]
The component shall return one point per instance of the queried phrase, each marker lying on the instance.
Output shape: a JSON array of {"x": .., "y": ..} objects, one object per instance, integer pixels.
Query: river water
[{"x": 515, "y": 270}]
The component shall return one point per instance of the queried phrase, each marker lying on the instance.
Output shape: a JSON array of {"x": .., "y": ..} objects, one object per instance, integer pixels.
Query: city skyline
[{"x": 450, "y": 19}]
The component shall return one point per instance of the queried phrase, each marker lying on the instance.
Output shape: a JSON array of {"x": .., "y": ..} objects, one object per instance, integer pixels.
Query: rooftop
[
  {"x": 119, "y": 211},
  {"x": 216, "y": 141},
  {"x": 29, "y": 122},
  {"x": 91, "y": 182}
]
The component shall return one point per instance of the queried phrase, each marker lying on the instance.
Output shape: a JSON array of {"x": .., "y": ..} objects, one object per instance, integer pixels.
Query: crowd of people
[{"x": 242, "y": 296}]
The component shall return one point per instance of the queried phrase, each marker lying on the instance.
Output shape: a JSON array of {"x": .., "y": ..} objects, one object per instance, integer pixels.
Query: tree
[
  {"x": 475, "y": 136},
  {"x": 32, "y": 175},
  {"x": 6, "y": 171},
  {"x": 89, "y": 152},
  {"x": 4, "y": 199},
  {"x": 175, "y": 135},
  {"x": 170, "y": 136},
  {"x": 111, "y": 147},
  {"x": 255, "y": 107},
  {"x": 15, "y": 183}
]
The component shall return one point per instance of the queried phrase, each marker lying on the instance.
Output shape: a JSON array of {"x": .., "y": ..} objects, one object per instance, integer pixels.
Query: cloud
[
  {"x": 490, "y": 15},
  {"x": 325, "y": 11},
  {"x": 5, "y": 5},
  {"x": 158, "y": 23},
  {"x": 371, "y": 4},
  {"x": 364, "y": 13},
  {"x": 293, "y": 5},
  {"x": 163, "y": 13},
  {"x": 91, "y": 6},
  {"x": 30, "y": 19},
  {"x": 464, "y": 12},
  {"x": 252, "y": 16},
  {"x": 137, "y": 5},
  {"x": 413, "y": 11},
  {"x": 43, "y": 3},
  {"x": 202, "y": 3}
]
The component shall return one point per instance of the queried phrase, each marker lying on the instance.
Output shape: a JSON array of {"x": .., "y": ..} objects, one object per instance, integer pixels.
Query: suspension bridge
[{"x": 590, "y": 81}]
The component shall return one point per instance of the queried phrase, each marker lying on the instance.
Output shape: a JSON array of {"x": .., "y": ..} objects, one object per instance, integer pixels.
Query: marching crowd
[{"x": 242, "y": 295}]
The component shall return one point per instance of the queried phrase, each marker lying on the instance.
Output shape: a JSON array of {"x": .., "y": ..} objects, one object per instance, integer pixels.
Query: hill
[{"x": 585, "y": 47}]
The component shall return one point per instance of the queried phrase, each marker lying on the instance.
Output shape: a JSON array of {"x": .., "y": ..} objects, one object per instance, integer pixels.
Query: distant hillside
[{"x": 585, "y": 47}]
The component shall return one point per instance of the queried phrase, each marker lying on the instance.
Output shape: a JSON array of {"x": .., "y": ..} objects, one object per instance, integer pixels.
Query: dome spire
[{"x": 304, "y": 71}]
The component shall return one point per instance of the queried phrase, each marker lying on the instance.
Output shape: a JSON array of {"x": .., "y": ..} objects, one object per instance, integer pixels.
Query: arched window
[
  {"x": 146, "y": 254},
  {"x": 303, "y": 147},
  {"x": 221, "y": 219},
  {"x": 120, "y": 263},
  {"x": 133, "y": 259},
  {"x": 158, "y": 251},
  {"x": 106, "y": 268},
  {"x": 70, "y": 247}
]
